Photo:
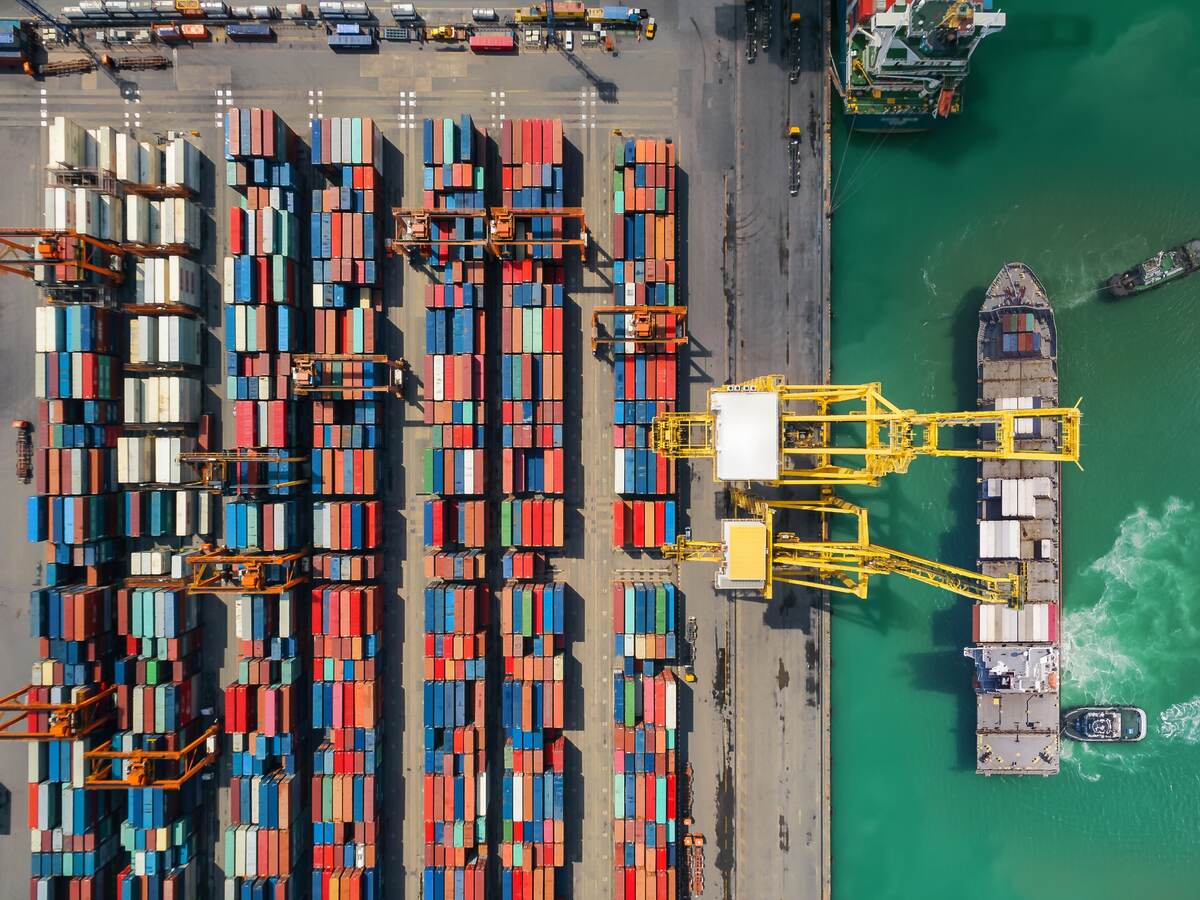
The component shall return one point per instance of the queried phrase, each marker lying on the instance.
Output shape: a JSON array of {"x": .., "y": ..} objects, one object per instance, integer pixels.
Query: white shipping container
[
  {"x": 137, "y": 220},
  {"x": 150, "y": 164},
  {"x": 182, "y": 164},
  {"x": 126, "y": 153},
  {"x": 184, "y": 513},
  {"x": 66, "y": 144},
  {"x": 112, "y": 217},
  {"x": 439, "y": 378},
  {"x": 87, "y": 212},
  {"x": 106, "y": 148},
  {"x": 227, "y": 283},
  {"x": 469, "y": 472},
  {"x": 182, "y": 279}
]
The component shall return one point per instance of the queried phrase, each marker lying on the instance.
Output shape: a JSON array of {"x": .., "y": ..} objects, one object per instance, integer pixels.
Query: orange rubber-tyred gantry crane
[
  {"x": 54, "y": 248},
  {"x": 213, "y": 468},
  {"x": 649, "y": 326},
  {"x": 414, "y": 228},
  {"x": 88, "y": 710},
  {"x": 220, "y": 570}
]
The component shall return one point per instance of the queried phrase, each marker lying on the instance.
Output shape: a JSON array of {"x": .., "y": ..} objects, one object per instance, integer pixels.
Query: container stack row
[
  {"x": 457, "y": 601},
  {"x": 158, "y": 679},
  {"x": 264, "y": 848},
  {"x": 77, "y": 382},
  {"x": 645, "y": 377},
  {"x": 86, "y": 842},
  {"x": 533, "y": 280},
  {"x": 645, "y": 781},
  {"x": 348, "y": 428},
  {"x": 532, "y": 608},
  {"x": 533, "y": 643}
]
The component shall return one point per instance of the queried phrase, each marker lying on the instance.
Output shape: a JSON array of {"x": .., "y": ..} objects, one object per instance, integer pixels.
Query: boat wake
[
  {"x": 1136, "y": 643},
  {"x": 1181, "y": 721}
]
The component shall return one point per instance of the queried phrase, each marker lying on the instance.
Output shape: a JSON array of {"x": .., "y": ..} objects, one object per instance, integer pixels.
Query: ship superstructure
[
  {"x": 906, "y": 62},
  {"x": 1019, "y": 516}
]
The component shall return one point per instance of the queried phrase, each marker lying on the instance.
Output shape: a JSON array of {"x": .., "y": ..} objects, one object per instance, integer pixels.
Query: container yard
[{"x": 229, "y": 456}]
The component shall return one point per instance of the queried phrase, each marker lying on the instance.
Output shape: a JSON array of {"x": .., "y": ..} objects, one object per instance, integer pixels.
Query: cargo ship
[
  {"x": 906, "y": 62},
  {"x": 1016, "y": 651},
  {"x": 1163, "y": 267}
]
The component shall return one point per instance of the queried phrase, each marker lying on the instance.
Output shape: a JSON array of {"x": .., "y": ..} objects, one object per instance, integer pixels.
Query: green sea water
[{"x": 1078, "y": 153}]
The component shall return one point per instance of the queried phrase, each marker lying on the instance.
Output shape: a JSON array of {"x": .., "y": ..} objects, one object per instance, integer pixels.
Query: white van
[{"x": 569, "y": 40}]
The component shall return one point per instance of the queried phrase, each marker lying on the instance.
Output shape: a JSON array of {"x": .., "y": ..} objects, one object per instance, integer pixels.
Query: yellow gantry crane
[
  {"x": 755, "y": 431},
  {"x": 753, "y": 556}
]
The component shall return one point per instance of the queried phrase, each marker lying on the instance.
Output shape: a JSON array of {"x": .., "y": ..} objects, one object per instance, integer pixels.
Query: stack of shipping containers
[
  {"x": 158, "y": 670},
  {"x": 531, "y": 514},
  {"x": 262, "y": 513},
  {"x": 347, "y": 601},
  {"x": 455, "y": 790},
  {"x": 645, "y": 379},
  {"x": 76, "y": 512},
  {"x": 531, "y": 329}
]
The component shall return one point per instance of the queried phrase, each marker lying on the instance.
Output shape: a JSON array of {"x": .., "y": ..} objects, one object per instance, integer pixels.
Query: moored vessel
[
  {"x": 1162, "y": 268},
  {"x": 1016, "y": 651},
  {"x": 905, "y": 63},
  {"x": 1105, "y": 724}
]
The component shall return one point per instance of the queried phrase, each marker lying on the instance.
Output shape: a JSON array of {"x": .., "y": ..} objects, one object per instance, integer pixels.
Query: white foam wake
[
  {"x": 1145, "y": 623},
  {"x": 1181, "y": 721}
]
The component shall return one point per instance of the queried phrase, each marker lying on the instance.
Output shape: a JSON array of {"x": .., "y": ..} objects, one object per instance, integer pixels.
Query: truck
[
  {"x": 249, "y": 31},
  {"x": 794, "y": 160},
  {"x": 24, "y": 450},
  {"x": 615, "y": 15},
  {"x": 14, "y": 44},
  {"x": 448, "y": 33},
  {"x": 794, "y": 47}
]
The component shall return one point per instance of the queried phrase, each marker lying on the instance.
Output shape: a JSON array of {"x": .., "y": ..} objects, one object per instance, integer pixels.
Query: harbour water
[{"x": 1077, "y": 154}]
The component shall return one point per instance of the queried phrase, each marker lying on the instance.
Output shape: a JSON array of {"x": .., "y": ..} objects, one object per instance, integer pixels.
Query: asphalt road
[{"x": 754, "y": 276}]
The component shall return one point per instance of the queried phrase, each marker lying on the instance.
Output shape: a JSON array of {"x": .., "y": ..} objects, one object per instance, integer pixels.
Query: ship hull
[{"x": 1017, "y": 733}]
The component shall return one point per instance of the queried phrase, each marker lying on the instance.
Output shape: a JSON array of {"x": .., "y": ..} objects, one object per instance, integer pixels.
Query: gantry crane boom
[
  {"x": 752, "y": 556},
  {"x": 755, "y": 431},
  {"x": 220, "y": 570},
  {"x": 649, "y": 326},
  {"x": 311, "y": 373},
  {"x": 165, "y": 769},
  {"x": 51, "y": 248},
  {"x": 213, "y": 468},
  {"x": 65, "y": 721},
  {"x": 414, "y": 228}
]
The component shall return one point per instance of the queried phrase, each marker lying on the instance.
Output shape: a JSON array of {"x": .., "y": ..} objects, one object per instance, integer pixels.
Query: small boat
[
  {"x": 1107, "y": 724},
  {"x": 1162, "y": 267}
]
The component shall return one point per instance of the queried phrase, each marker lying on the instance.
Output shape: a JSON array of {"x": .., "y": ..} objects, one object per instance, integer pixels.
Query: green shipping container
[
  {"x": 449, "y": 145},
  {"x": 506, "y": 523},
  {"x": 427, "y": 465},
  {"x": 630, "y": 703}
]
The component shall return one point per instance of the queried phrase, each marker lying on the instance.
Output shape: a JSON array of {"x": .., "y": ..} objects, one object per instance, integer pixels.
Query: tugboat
[
  {"x": 1164, "y": 266},
  {"x": 1106, "y": 724}
]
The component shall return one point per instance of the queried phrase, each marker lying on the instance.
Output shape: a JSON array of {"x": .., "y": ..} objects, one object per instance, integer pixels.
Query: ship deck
[{"x": 1017, "y": 733}]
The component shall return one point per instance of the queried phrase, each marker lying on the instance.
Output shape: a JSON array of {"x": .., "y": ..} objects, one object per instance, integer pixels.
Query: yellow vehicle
[
  {"x": 651, "y": 29},
  {"x": 445, "y": 33}
]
